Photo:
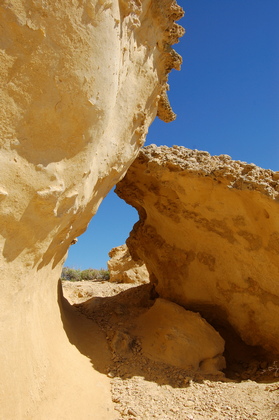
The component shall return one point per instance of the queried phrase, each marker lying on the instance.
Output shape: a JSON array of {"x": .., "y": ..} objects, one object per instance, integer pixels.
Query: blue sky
[{"x": 226, "y": 98}]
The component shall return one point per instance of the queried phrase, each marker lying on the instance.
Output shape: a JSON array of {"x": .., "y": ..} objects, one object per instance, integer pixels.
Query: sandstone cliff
[
  {"x": 81, "y": 82},
  {"x": 209, "y": 235},
  {"x": 123, "y": 269}
]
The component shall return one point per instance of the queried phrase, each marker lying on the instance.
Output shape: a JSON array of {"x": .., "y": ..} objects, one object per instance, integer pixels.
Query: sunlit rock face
[
  {"x": 81, "y": 82},
  {"x": 123, "y": 269},
  {"x": 209, "y": 235}
]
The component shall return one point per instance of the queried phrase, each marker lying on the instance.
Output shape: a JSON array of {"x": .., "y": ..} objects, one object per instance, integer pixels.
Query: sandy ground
[{"x": 143, "y": 389}]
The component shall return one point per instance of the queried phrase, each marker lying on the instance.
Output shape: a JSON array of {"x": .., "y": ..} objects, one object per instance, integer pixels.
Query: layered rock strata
[
  {"x": 123, "y": 269},
  {"x": 209, "y": 236},
  {"x": 81, "y": 82}
]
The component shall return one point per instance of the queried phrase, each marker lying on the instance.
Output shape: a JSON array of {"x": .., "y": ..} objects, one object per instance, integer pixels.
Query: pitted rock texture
[
  {"x": 81, "y": 83},
  {"x": 209, "y": 236},
  {"x": 123, "y": 269}
]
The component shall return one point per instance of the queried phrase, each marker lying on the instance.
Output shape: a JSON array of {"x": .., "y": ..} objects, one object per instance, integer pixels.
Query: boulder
[
  {"x": 81, "y": 83},
  {"x": 123, "y": 269},
  {"x": 209, "y": 236},
  {"x": 180, "y": 338}
]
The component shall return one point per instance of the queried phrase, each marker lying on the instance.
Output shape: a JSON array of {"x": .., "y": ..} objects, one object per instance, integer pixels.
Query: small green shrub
[
  {"x": 103, "y": 274},
  {"x": 89, "y": 274},
  {"x": 72, "y": 274}
]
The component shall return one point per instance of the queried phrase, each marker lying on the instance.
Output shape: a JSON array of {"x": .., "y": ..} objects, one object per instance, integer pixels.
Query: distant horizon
[{"x": 226, "y": 98}]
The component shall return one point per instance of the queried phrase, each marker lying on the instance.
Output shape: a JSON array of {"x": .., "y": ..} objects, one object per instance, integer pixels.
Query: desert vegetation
[{"x": 72, "y": 274}]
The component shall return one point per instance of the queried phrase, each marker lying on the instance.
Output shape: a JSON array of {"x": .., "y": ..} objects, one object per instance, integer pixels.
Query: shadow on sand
[{"x": 102, "y": 329}]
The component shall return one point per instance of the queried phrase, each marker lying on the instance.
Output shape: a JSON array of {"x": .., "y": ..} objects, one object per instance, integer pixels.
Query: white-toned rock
[
  {"x": 123, "y": 269},
  {"x": 209, "y": 236},
  {"x": 81, "y": 82},
  {"x": 181, "y": 338}
]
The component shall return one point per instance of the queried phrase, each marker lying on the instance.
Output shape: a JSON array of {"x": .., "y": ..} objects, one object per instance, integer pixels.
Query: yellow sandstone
[
  {"x": 81, "y": 81},
  {"x": 209, "y": 236}
]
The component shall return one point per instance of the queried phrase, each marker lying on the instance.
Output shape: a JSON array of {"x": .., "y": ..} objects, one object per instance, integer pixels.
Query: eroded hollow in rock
[
  {"x": 205, "y": 223},
  {"x": 242, "y": 360},
  {"x": 160, "y": 340},
  {"x": 208, "y": 234}
]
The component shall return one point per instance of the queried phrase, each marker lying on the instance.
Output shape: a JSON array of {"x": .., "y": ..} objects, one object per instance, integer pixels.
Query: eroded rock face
[
  {"x": 81, "y": 82},
  {"x": 123, "y": 269},
  {"x": 209, "y": 235}
]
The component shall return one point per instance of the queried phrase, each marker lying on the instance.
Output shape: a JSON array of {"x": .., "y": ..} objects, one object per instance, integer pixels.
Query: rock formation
[
  {"x": 209, "y": 236},
  {"x": 123, "y": 269},
  {"x": 181, "y": 338},
  {"x": 81, "y": 82}
]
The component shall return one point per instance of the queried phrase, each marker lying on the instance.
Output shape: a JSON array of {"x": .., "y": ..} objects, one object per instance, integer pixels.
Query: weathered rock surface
[
  {"x": 81, "y": 82},
  {"x": 123, "y": 269},
  {"x": 181, "y": 338},
  {"x": 209, "y": 235}
]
